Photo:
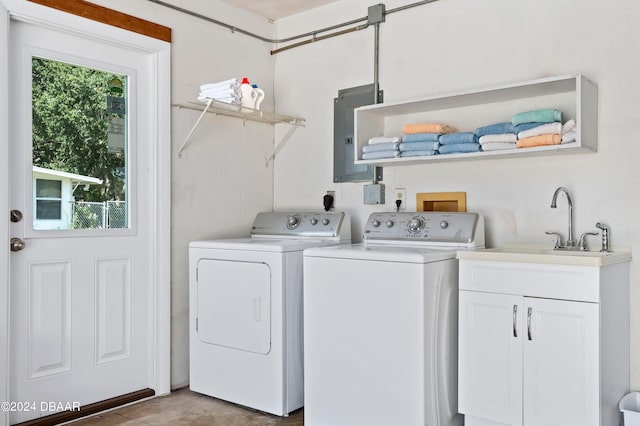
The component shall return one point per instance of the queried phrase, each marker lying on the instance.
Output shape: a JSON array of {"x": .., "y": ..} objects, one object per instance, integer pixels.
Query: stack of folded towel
[
  {"x": 538, "y": 127},
  {"x": 569, "y": 131},
  {"x": 419, "y": 144},
  {"x": 421, "y": 139},
  {"x": 497, "y": 136},
  {"x": 381, "y": 147},
  {"x": 459, "y": 142},
  {"x": 227, "y": 91}
]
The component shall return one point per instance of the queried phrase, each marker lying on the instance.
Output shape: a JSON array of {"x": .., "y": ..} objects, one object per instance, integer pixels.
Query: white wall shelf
[
  {"x": 229, "y": 110},
  {"x": 574, "y": 95}
]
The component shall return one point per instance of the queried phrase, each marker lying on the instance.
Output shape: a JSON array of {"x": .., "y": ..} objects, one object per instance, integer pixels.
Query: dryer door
[{"x": 234, "y": 304}]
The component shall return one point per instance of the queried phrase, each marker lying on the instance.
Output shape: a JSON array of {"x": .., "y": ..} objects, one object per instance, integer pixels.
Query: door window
[{"x": 79, "y": 135}]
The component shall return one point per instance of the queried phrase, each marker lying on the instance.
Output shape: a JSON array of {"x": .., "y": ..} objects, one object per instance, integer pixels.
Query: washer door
[{"x": 234, "y": 304}]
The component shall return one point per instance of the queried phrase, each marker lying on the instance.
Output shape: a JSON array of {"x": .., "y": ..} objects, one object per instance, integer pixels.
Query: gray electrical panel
[{"x": 343, "y": 132}]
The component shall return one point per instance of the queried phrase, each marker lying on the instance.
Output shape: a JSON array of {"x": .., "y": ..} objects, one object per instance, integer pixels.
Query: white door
[
  {"x": 490, "y": 357},
  {"x": 234, "y": 304},
  {"x": 561, "y": 360},
  {"x": 82, "y": 300}
]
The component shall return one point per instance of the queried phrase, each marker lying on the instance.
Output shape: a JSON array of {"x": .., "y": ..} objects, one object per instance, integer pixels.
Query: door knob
[
  {"x": 16, "y": 215},
  {"x": 17, "y": 244}
]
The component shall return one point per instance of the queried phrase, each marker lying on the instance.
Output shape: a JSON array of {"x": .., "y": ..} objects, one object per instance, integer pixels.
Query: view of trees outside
[
  {"x": 70, "y": 126},
  {"x": 77, "y": 113}
]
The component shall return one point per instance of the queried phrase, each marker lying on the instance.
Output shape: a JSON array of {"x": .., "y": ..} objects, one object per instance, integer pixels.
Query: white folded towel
[
  {"x": 568, "y": 126},
  {"x": 218, "y": 92},
  {"x": 383, "y": 139},
  {"x": 502, "y": 137},
  {"x": 555, "y": 128},
  {"x": 221, "y": 84},
  {"x": 569, "y": 137},
  {"x": 495, "y": 146},
  {"x": 228, "y": 100}
]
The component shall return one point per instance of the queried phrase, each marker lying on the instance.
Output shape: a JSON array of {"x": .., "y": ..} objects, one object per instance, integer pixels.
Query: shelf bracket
[
  {"x": 283, "y": 141},
  {"x": 195, "y": 126}
]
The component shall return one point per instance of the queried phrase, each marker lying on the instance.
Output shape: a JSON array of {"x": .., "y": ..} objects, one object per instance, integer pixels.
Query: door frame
[{"x": 159, "y": 324}]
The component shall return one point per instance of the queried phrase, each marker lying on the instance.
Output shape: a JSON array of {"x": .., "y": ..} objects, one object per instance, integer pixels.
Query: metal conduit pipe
[{"x": 312, "y": 34}]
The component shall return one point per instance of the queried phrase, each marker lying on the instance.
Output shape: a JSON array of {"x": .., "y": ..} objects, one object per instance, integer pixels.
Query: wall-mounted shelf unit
[
  {"x": 574, "y": 95},
  {"x": 229, "y": 110}
]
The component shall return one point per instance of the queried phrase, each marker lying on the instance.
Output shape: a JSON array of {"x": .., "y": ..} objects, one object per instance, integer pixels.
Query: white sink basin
[{"x": 537, "y": 254}]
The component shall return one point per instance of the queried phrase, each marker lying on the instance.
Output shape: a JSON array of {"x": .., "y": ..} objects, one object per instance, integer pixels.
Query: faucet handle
[
  {"x": 558, "y": 243},
  {"x": 582, "y": 245},
  {"x": 605, "y": 236}
]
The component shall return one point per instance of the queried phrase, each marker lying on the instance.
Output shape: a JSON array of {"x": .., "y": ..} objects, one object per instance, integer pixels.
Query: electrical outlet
[{"x": 400, "y": 194}]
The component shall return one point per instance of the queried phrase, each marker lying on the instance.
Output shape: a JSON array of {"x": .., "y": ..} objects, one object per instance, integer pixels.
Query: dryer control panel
[
  {"x": 434, "y": 227},
  {"x": 302, "y": 224}
]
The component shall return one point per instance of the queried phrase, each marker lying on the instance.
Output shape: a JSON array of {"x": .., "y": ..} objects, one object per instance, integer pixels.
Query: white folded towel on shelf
[
  {"x": 501, "y": 137},
  {"x": 221, "y": 84},
  {"x": 384, "y": 139},
  {"x": 228, "y": 100},
  {"x": 389, "y": 146},
  {"x": 221, "y": 92},
  {"x": 495, "y": 146},
  {"x": 569, "y": 137},
  {"x": 568, "y": 126},
  {"x": 555, "y": 128}
]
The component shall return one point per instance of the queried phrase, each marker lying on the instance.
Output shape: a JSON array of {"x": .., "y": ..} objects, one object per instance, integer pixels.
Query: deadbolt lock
[{"x": 16, "y": 215}]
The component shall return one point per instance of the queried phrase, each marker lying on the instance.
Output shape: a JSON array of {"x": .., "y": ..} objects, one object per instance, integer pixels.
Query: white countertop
[{"x": 528, "y": 253}]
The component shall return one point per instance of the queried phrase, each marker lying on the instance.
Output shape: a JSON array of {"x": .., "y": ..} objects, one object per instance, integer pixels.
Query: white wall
[
  {"x": 221, "y": 181},
  {"x": 454, "y": 45}
]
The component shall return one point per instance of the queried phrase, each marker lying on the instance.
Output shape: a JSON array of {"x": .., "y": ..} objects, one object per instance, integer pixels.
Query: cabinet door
[
  {"x": 490, "y": 337},
  {"x": 561, "y": 361}
]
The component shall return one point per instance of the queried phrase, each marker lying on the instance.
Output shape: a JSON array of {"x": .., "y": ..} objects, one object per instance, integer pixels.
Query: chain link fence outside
[{"x": 94, "y": 215}]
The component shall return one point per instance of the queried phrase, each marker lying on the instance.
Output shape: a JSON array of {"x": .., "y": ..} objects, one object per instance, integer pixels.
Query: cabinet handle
[
  {"x": 529, "y": 323},
  {"x": 515, "y": 313}
]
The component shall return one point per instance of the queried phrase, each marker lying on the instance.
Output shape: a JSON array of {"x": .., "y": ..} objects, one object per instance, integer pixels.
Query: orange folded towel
[
  {"x": 409, "y": 129},
  {"x": 540, "y": 140}
]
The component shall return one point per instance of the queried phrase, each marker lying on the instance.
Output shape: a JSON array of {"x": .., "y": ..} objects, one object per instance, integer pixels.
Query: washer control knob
[
  {"x": 325, "y": 222},
  {"x": 389, "y": 223},
  {"x": 444, "y": 224},
  {"x": 375, "y": 223},
  {"x": 415, "y": 224},
  {"x": 314, "y": 221},
  {"x": 293, "y": 222}
]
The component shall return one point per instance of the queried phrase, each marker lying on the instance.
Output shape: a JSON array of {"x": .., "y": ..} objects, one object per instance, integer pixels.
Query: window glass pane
[
  {"x": 48, "y": 188},
  {"x": 80, "y": 146},
  {"x": 48, "y": 209}
]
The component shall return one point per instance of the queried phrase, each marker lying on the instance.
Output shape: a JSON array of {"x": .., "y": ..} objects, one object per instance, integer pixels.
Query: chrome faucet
[{"x": 570, "y": 241}]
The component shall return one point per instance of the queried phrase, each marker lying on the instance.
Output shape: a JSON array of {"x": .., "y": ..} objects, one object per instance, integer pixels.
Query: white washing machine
[
  {"x": 380, "y": 322},
  {"x": 245, "y": 309}
]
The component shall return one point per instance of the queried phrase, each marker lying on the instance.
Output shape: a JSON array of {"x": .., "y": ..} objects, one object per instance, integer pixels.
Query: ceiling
[{"x": 277, "y": 9}]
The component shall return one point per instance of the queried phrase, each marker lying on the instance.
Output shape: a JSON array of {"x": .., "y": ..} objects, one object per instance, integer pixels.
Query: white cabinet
[
  {"x": 529, "y": 356},
  {"x": 574, "y": 95}
]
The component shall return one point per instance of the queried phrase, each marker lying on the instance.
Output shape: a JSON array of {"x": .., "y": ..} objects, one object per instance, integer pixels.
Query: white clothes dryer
[
  {"x": 245, "y": 309},
  {"x": 380, "y": 322}
]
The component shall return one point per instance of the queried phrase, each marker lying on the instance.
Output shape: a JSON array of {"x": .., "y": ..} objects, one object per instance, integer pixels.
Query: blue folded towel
[
  {"x": 380, "y": 154},
  {"x": 526, "y": 126},
  {"x": 548, "y": 115},
  {"x": 420, "y": 153},
  {"x": 419, "y": 146},
  {"x": 459, "y": 147},
  {"x": 388, "y": 146},
  {"x": 421, "y": 137},
  {"x": 495, "y": 129},
  {"x": 459, "y": 137}
]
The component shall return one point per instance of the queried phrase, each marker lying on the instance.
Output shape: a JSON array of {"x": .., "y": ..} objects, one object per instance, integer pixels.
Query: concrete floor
[{"x": 183, "y": 407}]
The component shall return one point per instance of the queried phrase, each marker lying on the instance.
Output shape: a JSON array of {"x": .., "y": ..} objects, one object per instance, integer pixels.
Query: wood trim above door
[{"x": 110, "y": 17}]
